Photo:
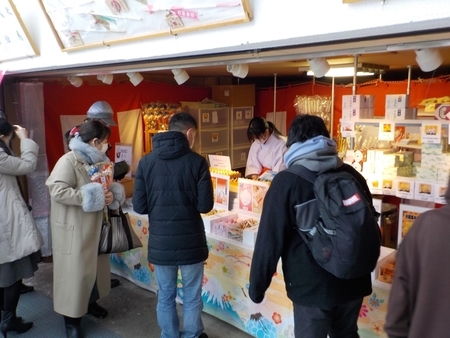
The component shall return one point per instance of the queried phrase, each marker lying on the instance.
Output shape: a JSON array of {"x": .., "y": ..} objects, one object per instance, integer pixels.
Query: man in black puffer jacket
[
  {"x": 173, "y": 186},
  {"x": 324, "y": 305}
]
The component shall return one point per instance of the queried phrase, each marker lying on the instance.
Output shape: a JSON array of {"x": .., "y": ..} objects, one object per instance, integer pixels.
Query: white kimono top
[{"x": 268, "y": 155}]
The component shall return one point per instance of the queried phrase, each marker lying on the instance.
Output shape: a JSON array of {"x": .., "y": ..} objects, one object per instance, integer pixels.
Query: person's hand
[
  {"x": 20, "y": 132},
  {"x": 109, "y": 197}
]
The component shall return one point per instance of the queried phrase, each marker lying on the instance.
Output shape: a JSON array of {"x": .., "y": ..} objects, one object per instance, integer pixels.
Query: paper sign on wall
[
  {"x": 431, "y": 133},
  {"x": 124, "y": 152},
  {"x": 386, "y": 131}
]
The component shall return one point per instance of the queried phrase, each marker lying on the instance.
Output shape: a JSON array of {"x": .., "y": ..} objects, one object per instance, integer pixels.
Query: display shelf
[
  {"x": 399, "y": 122},
  {"x": 409, "y": 146}
]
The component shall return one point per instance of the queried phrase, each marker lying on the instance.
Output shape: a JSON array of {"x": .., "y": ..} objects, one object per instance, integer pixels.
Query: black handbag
[{"x": 117, "y": 235}]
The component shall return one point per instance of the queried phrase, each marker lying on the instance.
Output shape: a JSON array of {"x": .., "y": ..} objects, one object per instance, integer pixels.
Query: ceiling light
[
  {"x": 319, "y": 66},
  {"x": 428, "y": 59},
  {"x": 239, "y": 70},
  {"x": 135, "y": 78},
  {"x": 75, "y": 81},
  {"x": 105, "y": 78},
  {"x": 180, "y": 75}
]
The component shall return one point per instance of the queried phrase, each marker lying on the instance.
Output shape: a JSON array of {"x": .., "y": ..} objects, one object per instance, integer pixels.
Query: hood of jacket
[
  {"x": 170, "y": 144},
  {"x": 90, "y": 154},
  {"x": 317, "y": 154}
]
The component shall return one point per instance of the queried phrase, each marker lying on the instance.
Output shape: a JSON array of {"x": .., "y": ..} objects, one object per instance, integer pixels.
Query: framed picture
[
  {"x": 407, "y": 216},
  {"x": 15, "y": 42},
  {"x": 79, "y": 24}
]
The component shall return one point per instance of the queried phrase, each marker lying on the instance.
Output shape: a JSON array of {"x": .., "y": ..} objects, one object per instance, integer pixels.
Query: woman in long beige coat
[
  {"x": 80, "y": 274},
  {"x": 20, "y": 240}
]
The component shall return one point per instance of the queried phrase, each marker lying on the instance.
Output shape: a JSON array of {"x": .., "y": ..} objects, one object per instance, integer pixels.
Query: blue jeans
[{"x": 166, "y": 311}]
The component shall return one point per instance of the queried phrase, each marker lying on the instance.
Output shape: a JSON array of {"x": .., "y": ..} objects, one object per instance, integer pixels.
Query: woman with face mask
[
  {"x": 20, "y": 240},
  {"x": 267, "y": 149},
  {"x": 81, "y": 276}
]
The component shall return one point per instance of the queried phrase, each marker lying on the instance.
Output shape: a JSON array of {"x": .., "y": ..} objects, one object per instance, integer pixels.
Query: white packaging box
[
  {"x": 397, "y": 101},
  {"x": 246, "y": 236},
  {"x": 435, "y": 161},
  {"x": 353, "y": 113},
  {"x": 368, "y": 168},
  {"x": 388, "y": 160},
  {"x": 397, "y": 171},
  {"x": 399, "y": 113},
  {"x": 370, "y": 101},
  {"x": 431, "y": 148},
  {"x": 426, "y": 174},
  {"x": 353, "y": 101},
  {"x": 443, "y": 175},
  {"x": 370, "y": 113},
  {"x": 379, "y": 153}
]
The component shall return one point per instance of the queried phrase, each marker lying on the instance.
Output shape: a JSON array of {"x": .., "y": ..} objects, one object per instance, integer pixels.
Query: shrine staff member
[{"x": 267, "y": 149}]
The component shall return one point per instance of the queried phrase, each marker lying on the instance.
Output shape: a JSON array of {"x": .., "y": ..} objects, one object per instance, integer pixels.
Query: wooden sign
[
  {"x": 15, "y": 42},
  {"x": 92, "y": 23}
]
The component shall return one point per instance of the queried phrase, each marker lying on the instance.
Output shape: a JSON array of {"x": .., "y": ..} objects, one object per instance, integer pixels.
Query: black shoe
[
  {"x": 97, "y": 311},
  {"x": 115, "y": 283},
  {"x": 203, "y": 335},
  {"x": 11, "y": 323},
  {"x": 74, "y": 331},
  {"x": 26, "y": 288}
]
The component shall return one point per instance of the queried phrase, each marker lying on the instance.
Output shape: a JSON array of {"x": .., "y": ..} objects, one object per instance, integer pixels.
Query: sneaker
[
  {"x": 97, "y": 311},
  {"x": 115, "y": 283}
]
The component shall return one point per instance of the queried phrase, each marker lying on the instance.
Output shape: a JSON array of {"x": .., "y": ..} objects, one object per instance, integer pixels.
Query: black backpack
[{"x": 340, "y": 224}]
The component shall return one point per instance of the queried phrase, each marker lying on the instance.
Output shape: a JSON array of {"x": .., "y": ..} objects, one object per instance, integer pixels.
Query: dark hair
[
  {"x": 89, "y": 130},
  {"x": 182, "y": 122},
  {"x": 6, "y": 129},
  {"x": 305, "y": 127},
  {"x": 258, "y": 126}
]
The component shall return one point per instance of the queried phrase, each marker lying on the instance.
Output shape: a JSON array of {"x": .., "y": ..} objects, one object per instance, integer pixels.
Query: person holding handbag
[
  {"x": 20, "y": 240},
  {"x": 81, "y": 275}
]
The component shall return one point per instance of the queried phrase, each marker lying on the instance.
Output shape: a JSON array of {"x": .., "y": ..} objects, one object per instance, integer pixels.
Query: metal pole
[
  {"x": 355, "y": 70},
  {"x": 274, "y": 95},
  {"x": 332, "y": 108},
  {"x": 409, "y": 80}
]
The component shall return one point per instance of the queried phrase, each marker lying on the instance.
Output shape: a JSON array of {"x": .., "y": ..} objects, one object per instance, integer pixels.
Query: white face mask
[{"x": 104, "y": 148}]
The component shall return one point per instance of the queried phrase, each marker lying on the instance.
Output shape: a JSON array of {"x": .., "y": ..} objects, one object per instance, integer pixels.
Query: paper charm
[
  {"x": 173, "y": 20},
  {"x": 117, "y": 6}
]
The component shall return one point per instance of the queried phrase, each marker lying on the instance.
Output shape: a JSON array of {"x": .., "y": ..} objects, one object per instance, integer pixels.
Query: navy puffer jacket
[{"x": 173, "y": 186}]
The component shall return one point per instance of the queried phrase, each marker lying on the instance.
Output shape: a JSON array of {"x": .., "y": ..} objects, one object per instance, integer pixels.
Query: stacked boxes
[
  {"x": 355, "y": 107},
  {"x": 397, "y": 107},
  {"x": 435, "y": 164}
]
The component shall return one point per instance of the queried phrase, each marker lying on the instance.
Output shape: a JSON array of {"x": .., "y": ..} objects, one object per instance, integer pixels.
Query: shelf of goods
[
  {"x": 412, "y": 163},
  {"x": 239, "y": 143},
  {"x": 213, "y": 136}
]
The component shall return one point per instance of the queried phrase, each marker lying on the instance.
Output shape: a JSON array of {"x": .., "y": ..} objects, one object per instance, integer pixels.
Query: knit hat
[{"x": 101, "y": 110}]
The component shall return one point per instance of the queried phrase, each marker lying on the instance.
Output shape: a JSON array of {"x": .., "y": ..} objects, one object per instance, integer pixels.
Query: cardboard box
[
  {"x": 353, "y": 101},
  {"x": 234, "y": 95},
  {"x": 400, "y": 114}
]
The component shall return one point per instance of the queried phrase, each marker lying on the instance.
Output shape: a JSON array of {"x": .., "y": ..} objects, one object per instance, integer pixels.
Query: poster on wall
[
  {"x": 407, "y": 216},
  {"x": 93, "y": 23},
  {"x": 15, "y": 42}
]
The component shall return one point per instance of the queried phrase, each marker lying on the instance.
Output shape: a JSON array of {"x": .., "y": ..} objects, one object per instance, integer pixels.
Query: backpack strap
[{"x": 303, "y": 172}]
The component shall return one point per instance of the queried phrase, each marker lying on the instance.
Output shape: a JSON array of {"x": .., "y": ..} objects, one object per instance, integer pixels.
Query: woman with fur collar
[{"x": 80, "y": 275}]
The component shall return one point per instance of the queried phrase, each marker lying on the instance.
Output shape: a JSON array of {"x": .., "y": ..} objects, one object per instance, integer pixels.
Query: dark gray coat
[
  {"x": 419, "y": 298},
  {"x": 173, "y": 186}
]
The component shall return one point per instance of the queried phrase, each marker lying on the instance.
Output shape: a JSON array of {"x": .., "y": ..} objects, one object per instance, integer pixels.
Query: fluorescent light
[{"x": 342, "y": 72}]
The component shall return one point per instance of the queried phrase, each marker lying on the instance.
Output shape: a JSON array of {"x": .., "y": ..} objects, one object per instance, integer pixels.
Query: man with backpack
[{"x": 324, "y": 304}]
